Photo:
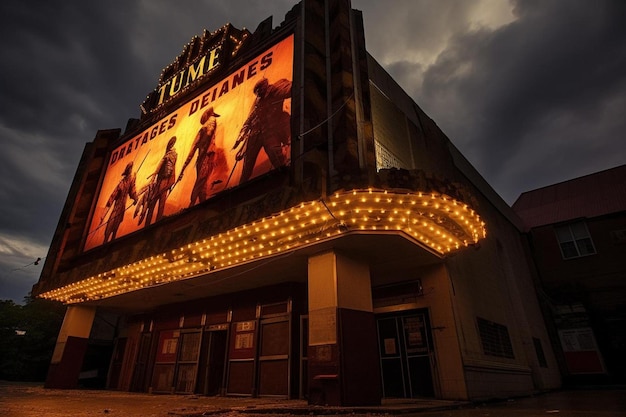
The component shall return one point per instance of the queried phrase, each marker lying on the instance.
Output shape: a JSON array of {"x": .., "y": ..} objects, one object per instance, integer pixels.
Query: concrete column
[
  {"x": 70, "y": 348},
  {"x": 343, "y": 350}
]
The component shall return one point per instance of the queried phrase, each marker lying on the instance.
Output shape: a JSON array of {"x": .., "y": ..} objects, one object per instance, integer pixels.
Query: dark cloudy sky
[{"x": 533, "y": 92}]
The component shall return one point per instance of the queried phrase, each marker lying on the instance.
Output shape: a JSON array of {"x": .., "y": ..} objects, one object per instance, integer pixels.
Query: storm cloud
[{"x": 532, "y": 92}]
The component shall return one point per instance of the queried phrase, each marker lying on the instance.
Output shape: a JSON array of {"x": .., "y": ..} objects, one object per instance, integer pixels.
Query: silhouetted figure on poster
[
  {"x": 204, "y": 145},
  {"x": 117, "y": 202},
  {"x": 162, "y": 180},
  {"x": 267, "y": 127}
]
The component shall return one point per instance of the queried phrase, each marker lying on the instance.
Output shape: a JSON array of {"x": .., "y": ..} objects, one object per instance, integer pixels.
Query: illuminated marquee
[
  {"x": 234, "y": 130},
  {"x": 436, "y": 221}
]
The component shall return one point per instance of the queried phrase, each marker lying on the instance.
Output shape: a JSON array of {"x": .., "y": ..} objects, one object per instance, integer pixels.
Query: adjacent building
[
  {"x": 283, "y": 220},
  {"x": 577, "y": 237}
]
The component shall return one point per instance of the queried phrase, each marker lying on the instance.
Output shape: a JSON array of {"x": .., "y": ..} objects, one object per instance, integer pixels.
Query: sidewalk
[{"x": 32, "y": 400}]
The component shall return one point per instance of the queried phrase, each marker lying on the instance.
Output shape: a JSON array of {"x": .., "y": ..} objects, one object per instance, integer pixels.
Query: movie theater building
[{"x": 283, "y": 220}]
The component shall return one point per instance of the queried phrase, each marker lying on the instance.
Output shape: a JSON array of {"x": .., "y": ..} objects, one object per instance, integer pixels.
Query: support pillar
[
  {"x": 344, "y": 366},
  {"x": 70, "y": 348}
]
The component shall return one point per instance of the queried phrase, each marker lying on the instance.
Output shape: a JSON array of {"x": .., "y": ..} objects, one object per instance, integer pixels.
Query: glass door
[
  {"x": 188, "y": 362},
  {"x": 405, "y": 347}
]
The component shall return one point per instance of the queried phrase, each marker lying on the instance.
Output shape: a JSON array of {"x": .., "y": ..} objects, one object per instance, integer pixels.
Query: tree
[{"x": 27, "y": 338}]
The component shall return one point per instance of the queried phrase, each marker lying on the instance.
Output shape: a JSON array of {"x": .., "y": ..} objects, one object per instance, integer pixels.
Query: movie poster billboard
[{"x": 234, "y": 130}]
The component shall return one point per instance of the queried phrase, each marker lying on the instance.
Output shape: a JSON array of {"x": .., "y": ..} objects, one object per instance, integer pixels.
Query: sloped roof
[{"x": 589, "y": 196}]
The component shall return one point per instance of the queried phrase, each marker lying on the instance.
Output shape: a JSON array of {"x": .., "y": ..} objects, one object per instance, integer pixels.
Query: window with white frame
[{"x": 574, "y": 240}]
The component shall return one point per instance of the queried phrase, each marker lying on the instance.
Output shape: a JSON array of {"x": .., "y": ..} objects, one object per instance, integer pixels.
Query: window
[
  {"x": 495, "y": 339},
  {"x": 386, "y": 159},
  {"x": 575, "y": 240}
]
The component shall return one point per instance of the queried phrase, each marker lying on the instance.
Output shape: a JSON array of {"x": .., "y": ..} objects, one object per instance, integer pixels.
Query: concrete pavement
[{"x": 32, "y": 400}]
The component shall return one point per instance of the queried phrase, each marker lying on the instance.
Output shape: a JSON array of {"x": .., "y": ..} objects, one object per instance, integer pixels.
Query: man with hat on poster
[
  {"x": 204, "y": 145},
  {"x": 267, "y": 127}
]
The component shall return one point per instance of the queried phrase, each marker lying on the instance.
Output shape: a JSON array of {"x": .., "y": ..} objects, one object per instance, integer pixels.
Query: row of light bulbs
[{"x": 436, "y": 220}]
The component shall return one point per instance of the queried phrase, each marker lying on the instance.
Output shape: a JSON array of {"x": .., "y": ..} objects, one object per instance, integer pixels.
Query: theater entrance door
[
  {"x": 406, "y": 354},
  {"x": 213, "y": 360}
]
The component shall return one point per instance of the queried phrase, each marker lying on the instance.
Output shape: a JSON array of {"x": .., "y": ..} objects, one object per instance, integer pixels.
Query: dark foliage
[{"x": 27, "y": 337}]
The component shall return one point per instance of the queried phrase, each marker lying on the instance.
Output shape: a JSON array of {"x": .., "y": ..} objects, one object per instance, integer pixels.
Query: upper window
[
  {"x": 575, "y": 240},
  {"x": 385, "y": 158}
]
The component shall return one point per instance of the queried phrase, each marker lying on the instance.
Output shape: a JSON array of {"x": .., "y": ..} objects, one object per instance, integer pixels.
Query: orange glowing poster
[{"x": 234, "y": 130}]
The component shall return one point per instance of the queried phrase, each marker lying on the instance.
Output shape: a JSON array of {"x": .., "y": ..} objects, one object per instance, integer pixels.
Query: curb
[{"x": 319, "y": 410}]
